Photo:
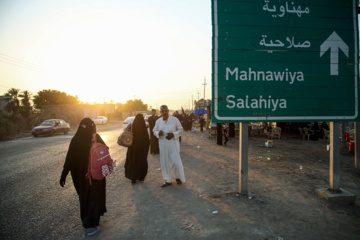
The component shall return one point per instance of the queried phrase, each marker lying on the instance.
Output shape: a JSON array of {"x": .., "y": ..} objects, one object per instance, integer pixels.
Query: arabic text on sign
[{"x": 292, "y": 9}]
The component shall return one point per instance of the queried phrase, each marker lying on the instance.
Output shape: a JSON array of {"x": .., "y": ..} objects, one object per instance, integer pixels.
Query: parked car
[
  {"x": 51, "y": 127},
  {"x": 100, "y": 120},
  {"x": 128, "y": 121},
  {"x": 147, "y": 120}
]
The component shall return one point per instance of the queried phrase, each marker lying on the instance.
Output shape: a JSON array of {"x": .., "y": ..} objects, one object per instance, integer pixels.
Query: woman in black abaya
[
  {"x": 136, "y": 164},
  {"x": 92, "y": 198}
]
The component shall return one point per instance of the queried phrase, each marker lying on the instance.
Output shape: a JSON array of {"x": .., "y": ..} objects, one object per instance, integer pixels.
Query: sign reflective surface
[{"x": 285, "y": 60}]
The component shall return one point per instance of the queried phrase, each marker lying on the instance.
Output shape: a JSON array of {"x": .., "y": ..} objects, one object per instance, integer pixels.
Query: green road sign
[{"x": 285, "y": 60}]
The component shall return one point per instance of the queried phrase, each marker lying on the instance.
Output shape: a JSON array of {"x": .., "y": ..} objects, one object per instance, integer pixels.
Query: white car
[
  {"x": 128, "y": 121},
  {"x": 147, "y": 120},
  {"x": 100, "y": 120}
]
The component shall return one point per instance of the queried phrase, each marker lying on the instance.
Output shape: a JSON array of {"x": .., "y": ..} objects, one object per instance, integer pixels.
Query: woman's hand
[{"x": 62, "y": 181}]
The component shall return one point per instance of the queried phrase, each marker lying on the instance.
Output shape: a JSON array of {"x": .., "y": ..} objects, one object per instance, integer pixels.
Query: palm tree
[
  {"x": 13, "y": 104},
  {"x": 25, "y": 103}
]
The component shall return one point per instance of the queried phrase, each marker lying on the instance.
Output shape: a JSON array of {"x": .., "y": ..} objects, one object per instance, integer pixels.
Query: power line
[
  {"x": 23, "y": 66},
  {"x": 4, "y": 89},
  {"x": 21, "y": 63}
]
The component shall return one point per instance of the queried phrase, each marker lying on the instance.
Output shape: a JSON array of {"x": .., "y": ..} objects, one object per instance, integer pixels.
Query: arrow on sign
[{"x": 334, "y": 42}]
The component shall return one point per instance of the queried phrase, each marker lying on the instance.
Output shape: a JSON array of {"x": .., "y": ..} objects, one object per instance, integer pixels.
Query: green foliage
[
  {"x": 53, "y": 97},
  {"x": 134, "y": 105},
  {"x": 200, "y": 104},
  {"x": 25, "y": 108},
  {"x": 119, "y": 107},
  {"x": 11, "y": 126},
  {"x": 13, "y": 105},
  {"x": 20, "y": 108},
  {"x": 8, "y": 128}
]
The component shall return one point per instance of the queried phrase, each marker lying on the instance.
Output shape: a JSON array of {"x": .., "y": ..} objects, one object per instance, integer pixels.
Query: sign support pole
[
  {"x": 243, "y": 158},
  {"x": 357, "y": 146},
  {"x": 334, "y": 156},
  {"x": 335, "y": 194}
]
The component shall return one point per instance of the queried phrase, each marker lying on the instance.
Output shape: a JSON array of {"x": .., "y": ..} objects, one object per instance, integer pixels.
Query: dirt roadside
[{"x": 281, "y": 180}]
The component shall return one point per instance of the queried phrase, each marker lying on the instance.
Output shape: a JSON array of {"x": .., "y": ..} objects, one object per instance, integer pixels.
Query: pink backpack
[{"x": 100, "y": 163}]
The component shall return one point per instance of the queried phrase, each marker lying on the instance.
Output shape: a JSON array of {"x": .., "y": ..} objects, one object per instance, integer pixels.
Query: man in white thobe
[{"x": 168, "y": 129}]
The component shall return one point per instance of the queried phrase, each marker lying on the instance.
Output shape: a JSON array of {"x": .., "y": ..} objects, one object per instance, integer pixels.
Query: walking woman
[
  {"x": 92, "y": 198},
  {"x": 136, "y": 164}
]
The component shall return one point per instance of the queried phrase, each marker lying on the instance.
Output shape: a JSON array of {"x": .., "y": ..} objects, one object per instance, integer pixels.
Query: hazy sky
[{"x": 156, "y": 50}]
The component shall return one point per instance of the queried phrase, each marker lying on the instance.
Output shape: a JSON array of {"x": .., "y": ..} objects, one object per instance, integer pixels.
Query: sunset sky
[{"x": 155, "y": 50}]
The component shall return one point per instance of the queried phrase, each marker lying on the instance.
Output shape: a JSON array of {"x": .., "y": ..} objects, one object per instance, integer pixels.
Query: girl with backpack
[{"x": 92, "y": 197}]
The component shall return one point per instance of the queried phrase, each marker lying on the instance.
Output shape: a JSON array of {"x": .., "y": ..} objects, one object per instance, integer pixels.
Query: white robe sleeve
[
  {"x": 156, "y": 129},
  {"x": 179, "y": 129}
]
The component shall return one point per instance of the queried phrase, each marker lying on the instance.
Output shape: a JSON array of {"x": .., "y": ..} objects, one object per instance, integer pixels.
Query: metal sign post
[
  {"x": 334, "y": 156},
  {"x": 243, "y": 157},
  {"x": 281, "y": 61},
  {"x": 357, "y": 146}
]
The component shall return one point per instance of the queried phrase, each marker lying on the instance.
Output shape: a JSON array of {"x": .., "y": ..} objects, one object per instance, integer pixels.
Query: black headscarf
[
  {"x": 136, "y": 165},
  {"x": 140, "y": 133},
  {"x": 154, "y": 141},
  {"x": 79, "y": 149}
]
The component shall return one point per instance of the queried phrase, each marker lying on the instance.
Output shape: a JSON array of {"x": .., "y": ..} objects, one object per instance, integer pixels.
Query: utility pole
[
  {"x": 204, "y": 86},
  {"x": 198, "y": 95},
  {"x": 204, "y": 91},
  {"x": 192, "y": 102}
]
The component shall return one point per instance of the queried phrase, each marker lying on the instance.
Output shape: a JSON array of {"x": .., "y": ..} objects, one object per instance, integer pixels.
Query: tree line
[
  {"x": 20, "y": 102},
  {"x": 17, "y": 116},
  {"x": 24, "y": 102}
]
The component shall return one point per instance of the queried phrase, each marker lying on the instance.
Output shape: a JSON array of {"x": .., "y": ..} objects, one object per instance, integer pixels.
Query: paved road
[
  {"x": 30, "y": 204},
  {"x": 34, "y": 206}
]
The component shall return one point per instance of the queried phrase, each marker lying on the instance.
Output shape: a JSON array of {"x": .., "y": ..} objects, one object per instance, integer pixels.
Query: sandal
[
  {"x": 178, "y": 181},
  {"x": 165, "y": 184}
]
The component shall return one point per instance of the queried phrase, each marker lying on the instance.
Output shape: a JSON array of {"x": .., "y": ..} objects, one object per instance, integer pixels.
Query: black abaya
[
  {"x": 219, "y": 133},
  {"x": 136, "y": 165},
  {"x": 231, "y": 129},
  {"x": 154, "y": 141},
  {"x": 92, "y": 198}
]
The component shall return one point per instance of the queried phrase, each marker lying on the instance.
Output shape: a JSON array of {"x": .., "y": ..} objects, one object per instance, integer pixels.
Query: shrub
[
  {"x": 11, "y": 125},
  {"x": 8, "y": 129}
]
